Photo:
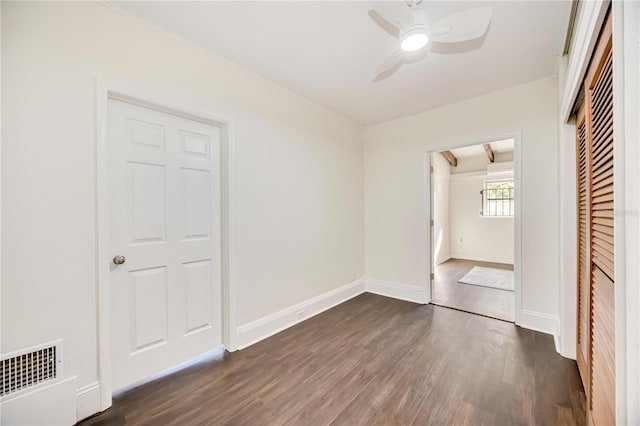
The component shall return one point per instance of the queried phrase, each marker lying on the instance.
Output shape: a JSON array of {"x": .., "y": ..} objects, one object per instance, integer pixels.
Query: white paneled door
[{"x": 164, "y": 198}]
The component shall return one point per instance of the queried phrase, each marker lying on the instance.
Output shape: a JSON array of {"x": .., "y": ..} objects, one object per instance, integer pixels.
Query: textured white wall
[{"x": 299, "y": 172}]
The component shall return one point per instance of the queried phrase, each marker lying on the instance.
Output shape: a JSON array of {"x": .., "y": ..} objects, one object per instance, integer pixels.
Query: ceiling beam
[
  {"x": 448, "y": 155},
  {"x": 489, "y": 151}
]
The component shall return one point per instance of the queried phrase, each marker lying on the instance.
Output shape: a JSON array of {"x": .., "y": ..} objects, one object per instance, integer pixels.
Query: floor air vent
[{"x": 31, "y": 367}]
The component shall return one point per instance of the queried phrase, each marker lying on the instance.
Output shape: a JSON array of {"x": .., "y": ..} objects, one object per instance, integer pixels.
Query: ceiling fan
[{"x": 457, "y": 33}]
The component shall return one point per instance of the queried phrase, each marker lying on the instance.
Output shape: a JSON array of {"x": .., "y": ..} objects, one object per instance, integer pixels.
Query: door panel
[
  {"x": 603, "y": 358},
  {"x": 164, "y": 198},
  {"x": 199, "y": 297},
  {"x": 600, "y": 101},
  {"x": 149, "y": 308},
  {"x": 197, "y": 203},
  {"x": 596, "y": 243},
  {"x": 584, "y": 292},
  {"x": 147, "y": 194}
]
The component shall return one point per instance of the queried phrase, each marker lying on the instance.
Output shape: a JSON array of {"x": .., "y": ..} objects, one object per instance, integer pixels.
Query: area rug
[{"x": 501, "y": 279}]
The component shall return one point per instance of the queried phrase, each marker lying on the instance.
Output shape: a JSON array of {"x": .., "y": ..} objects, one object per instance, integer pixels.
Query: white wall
[
  {"x": 396, "y": 244},
  {"x": 479, "y": 162},
  {"x": 473, "y": 236},
  {"x": 441, "y": 212},
  {"x": 299, "y": 172}
]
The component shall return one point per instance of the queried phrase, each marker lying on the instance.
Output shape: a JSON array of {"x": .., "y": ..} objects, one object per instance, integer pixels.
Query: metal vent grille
[{"x": 26, "y": 369}]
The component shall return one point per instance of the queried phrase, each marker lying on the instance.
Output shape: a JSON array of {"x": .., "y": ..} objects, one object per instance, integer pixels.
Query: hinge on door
[
  {"x": 431, "y": 222},
  {"x": 433, "y": 276},
  {"x": 430, "y": 169}
]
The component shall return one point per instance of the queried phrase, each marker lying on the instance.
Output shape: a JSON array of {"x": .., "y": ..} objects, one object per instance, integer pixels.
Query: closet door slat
[
  {"x": 601, "y": 230},
  {"x": 584, "y": 294}
]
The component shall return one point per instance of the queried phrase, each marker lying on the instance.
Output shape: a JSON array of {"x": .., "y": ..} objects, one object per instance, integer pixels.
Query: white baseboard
[
  {"x": 482, "y": 259},
  {"x": 260, "y": 329},
  {"x": 538, "y": 321},
  {"x": 54, "y": 404},
  {"x": 556, "y": 342},
  {"x": 87, "y": 400},
  {"x": 564, "y": 350},
  {"x": 446, "y": 259},
  {"x": 400, "y": 291},
  {"x": 567, "y": 351}
]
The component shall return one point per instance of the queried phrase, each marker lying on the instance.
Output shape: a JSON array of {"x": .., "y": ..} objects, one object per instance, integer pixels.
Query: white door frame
[
  {"x": 517, "y": 217},
  {"x": 106, "y": 90}
]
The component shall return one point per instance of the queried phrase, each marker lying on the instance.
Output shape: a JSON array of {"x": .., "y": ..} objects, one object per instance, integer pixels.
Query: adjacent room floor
[
  {"x": 491, "y": 302},
  {"x": 371, "y": 360}
]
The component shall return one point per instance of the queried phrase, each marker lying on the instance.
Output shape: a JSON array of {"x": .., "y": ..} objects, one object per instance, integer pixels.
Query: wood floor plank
[
  {"x": 370, "y": 361},
  {"x": 491, "y": 302}
]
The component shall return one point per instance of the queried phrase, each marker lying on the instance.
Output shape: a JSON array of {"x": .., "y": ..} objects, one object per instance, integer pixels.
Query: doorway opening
[{"x": 473, "y": 210}]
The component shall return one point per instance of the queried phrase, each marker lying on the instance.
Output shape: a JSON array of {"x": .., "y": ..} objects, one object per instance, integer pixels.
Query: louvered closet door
[
  {"x": 584, "y": 287},
  {"x": 599, "y": 97}
]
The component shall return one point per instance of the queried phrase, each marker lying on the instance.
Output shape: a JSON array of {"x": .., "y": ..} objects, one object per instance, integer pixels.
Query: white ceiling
[
  {"x": 498, "y": 147},
  {"x": 327, "y": 51}
]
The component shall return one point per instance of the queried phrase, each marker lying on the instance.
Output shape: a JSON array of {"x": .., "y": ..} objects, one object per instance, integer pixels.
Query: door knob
[{"x": 119, "y": 259}]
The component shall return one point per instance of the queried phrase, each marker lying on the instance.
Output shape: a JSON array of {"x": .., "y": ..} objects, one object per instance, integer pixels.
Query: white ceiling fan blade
[
  {"x": 391, "y": 62},
  {"x": 463, "y": 26},
  {"x": 389, "y": 65},
  {"x": 414, "y": 57},
  {"x": 439, "y": 31},
  {"x": 383, "y": 23},
  {"x": 396, "y": 60},
  {"x": 385, "y": 75}
]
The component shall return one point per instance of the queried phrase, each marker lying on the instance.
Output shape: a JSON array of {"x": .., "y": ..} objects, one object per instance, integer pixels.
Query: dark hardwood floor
[
  {"x": 491, "y": 302},
  {"x": 371, "y": 360}
]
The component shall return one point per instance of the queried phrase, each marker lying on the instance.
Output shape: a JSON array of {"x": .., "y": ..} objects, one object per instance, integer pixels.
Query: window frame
[{"x": 510, "y": 199}]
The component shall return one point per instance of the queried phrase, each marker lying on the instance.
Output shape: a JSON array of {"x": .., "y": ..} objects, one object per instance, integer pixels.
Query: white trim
[
  {"x": 104, "y": 91},
  {"x": 103, "y": 292},
  {"x": 87, "y": 400},
  {"x": 591, "y": 14},
  {"x": 409, "y": 293},
  {"x": 517, "y": 224},
  {"x": 572, "y": 70},
  {"x": 626, "y": 68},
  {"x": 428, "y": 230},
  {"x": 517, "y": 255},
  {"x": 568, "y": 242},
  {"x": 58, "y": 344},
  {"x": 1, "y": 154},
  {"x": 229, "y": 293},
  {"x": 255, "y": 331},
  {"x": 539, "y": 321},
  {"x": 481, "y": 174},
  {"x": 556, "y": 342},
  {"x": 444, "y": 260},
  {"x": 568, "y": 230},
  {"x": 54, "y": 404}
]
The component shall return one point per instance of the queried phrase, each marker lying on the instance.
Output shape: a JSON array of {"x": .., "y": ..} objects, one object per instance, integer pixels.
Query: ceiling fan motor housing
[{"x": 414, "y": 38}]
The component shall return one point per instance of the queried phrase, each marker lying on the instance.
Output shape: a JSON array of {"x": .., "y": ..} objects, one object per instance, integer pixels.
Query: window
[{"x": 497, "y": 198}]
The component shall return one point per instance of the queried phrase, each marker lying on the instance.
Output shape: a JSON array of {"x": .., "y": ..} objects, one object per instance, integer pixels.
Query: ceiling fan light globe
[{"x": 414, "y": 41}]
